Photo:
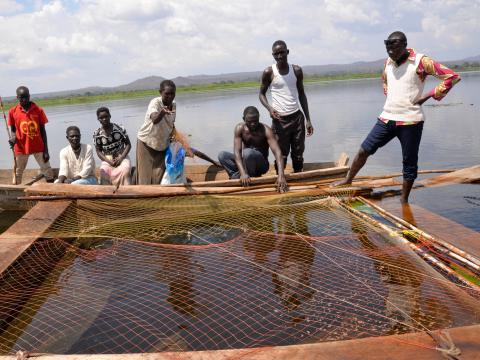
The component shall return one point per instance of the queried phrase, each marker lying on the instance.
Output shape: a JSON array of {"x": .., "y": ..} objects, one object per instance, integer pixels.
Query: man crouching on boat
[
  {"x": 77, "y": 165},
  {"x": 255, "y": 138}
]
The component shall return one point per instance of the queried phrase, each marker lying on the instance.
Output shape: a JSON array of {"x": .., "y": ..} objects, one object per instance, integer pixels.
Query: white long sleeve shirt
[{"x": 70, "y": 166}]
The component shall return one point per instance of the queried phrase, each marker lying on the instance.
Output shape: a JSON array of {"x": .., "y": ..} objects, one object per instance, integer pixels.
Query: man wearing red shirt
[{"x": 27, "y": 122}]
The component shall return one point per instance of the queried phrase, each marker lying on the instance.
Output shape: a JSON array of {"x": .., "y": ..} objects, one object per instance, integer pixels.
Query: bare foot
[{"x": 340, "y": 183}]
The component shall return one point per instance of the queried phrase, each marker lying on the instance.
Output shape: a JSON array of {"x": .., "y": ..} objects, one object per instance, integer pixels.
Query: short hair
[
  {"x": 103, "y": 109},
  {"x": 73, "y": 127},
  {"x": 166, "y": 83},
  {"x": 279, "y": 42},
  {"x": 251, "y": 110},
  {"x": 24, "y": 88},
  {"x": 398, "y": 34}
]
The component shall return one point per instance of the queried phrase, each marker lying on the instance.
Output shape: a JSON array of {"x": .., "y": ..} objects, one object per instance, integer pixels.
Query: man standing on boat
[
  {"x": 404, "y": 77},
  {"x": 251, "y": 142},
  {"x": 77, "y": 165},
  {"x": 27, "y": 123},
  {"x": 154, "y": 135},
  {"x": 288, "y": 95}
]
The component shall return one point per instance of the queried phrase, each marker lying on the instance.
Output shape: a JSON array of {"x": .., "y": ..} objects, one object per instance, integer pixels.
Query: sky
[{"x": 69, "y": 44}]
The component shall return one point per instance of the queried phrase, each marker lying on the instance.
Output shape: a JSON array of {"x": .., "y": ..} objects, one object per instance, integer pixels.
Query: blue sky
[{"x": 57, "y": 45}]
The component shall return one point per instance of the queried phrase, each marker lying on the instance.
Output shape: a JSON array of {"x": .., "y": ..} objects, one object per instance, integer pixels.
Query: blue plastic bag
[{"x": 174, "y": 164}]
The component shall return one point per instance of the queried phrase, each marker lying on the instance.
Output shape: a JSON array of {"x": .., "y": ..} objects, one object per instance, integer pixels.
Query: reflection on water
[
  {"x": 7, "y": 218},
  {"x": 301, "y": 273}
]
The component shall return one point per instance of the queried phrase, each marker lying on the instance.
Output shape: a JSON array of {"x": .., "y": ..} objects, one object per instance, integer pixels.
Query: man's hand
[
  {"x": 274, "y": 114},
  {"x": 165, "y": 111},
  {"x": 12, "y": 141},
  {"x": 245, "y": 180},
  {"x": 46, "y": 156},
  {"x": 309, "y": 128},
  {"x": 422, "y": 100},
  {"x": 282, "y": 186}
]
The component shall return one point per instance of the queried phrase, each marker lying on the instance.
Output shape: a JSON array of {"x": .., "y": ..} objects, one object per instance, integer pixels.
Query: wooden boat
[{"x": 197, "y": 175}]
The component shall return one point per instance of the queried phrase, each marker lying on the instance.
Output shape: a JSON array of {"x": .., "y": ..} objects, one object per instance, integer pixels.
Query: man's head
[
  {"x": 103, "y": 115},
  {"x": 251, "y": 116},
  {"x": 73, "y": 137},
  {"x": 396, "y": 45},
  {"x": 167, "y": 91},
  {"x": 280, "y": 52},
  {"x": 23, "y": 96}
]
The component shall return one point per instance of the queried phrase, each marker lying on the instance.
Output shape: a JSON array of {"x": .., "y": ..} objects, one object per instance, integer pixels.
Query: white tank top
[
  {"x": 284, "y": 91},
  {"x": 404, "y": 88}
]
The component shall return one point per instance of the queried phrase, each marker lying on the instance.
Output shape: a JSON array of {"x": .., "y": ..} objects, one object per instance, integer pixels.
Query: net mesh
[{"x": 218, "y": 272}]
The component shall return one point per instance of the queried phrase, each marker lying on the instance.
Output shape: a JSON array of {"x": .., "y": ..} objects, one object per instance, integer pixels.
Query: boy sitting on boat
[
  {"x": 112, "y": 145},
  {"x": 77, "y": 165},
  {"x": 251, "y": 142}
]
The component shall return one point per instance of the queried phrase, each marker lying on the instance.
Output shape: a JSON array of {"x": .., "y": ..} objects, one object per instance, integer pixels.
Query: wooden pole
[
  {"x": 9, "y": 136},
  {"x": 457, "y": 253},
  {"x": 416, "y": 249}
]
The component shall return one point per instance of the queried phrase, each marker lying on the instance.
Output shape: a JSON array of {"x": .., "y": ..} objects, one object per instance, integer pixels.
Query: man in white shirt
[
  {"x": 154, "y": 136},
  {"x": 77, "y": 165}
]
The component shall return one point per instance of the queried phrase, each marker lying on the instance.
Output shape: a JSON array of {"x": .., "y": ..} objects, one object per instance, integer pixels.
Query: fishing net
[{"x": 218, "y": 272}]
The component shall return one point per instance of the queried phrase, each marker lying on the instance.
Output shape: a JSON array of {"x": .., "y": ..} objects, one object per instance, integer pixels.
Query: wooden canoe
[{"x": 197, "y": 175}]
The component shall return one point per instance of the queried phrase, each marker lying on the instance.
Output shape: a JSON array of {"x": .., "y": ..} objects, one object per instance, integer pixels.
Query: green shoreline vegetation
[{"x": 217, "y": 86}]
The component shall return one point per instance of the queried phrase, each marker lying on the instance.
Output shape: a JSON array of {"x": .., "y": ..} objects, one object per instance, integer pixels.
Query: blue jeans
[
  {"x": 91, "y": 180},
  {"x": 253, "y": 160},
  {"x": 409, "y": 136}
]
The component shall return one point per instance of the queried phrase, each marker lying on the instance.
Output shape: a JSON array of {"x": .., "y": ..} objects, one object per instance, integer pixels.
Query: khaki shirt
[{"x": 157, "y": 136}]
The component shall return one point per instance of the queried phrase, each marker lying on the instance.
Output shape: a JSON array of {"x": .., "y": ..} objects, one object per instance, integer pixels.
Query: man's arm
[
  {"x": 384, "y": 79},
  {"x": 63, "y": 170},
  {"x": 205, "y": 157},
  {"x": 447, "y": 76},
  {"x": 237, "y": 150},
  {"x": 265, "y": 84},
  {"x": 43, "y": 133},
  {"x": 302, "y": 97},
  {"x": 156, "y": 111},
  {"x": 272, "y": 142},
  {"x": 157, "y": 116},
  {"x": 13, "y": 136}
]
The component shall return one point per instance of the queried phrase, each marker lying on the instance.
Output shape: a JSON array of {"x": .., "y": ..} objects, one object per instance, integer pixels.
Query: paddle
[{"x": 9, "y": 135}]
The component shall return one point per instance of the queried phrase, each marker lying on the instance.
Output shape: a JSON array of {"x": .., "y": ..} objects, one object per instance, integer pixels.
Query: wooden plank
[
  {"x": 418, "y": 346},
  {"x": 270, "y": 179},
  {"x": 438, "y": 226},
  {"x": 462, "y": 176},
  {"x": 26, "y": 230}
]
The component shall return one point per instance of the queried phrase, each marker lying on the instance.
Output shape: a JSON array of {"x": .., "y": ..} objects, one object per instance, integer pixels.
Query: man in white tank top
[
  {"x": 288, "y": 96},
  {"x": 402, "y": 116}
]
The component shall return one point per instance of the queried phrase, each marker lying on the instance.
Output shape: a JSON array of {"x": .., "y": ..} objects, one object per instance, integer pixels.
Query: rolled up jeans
[{"x": 254, "y": 162}]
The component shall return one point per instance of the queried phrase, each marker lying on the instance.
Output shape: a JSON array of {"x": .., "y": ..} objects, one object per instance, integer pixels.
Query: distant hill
[{"x": 152, "y": 82}]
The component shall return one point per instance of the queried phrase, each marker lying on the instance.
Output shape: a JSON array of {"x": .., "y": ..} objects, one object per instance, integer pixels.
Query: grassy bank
[{"x": 119, "y": 95}]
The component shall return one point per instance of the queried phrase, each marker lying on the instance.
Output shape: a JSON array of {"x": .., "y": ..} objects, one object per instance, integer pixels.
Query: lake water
[{"x": 343, "y": 112}]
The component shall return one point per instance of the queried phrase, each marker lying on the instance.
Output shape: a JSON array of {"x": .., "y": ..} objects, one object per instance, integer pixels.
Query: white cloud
[
  {"x": 355, "y": 11},
  {"x": 9, "y": 7},
  {"x": 60, "y": 44}
]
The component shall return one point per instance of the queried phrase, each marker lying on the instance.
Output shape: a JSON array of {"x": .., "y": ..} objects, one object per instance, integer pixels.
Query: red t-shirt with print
[{"x": 27, "y": 124}]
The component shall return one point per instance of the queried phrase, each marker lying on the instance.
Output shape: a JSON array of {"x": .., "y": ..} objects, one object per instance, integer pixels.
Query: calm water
[
  {"x": 342, "y": 112},
  {"x": 303, "y": 274}
]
